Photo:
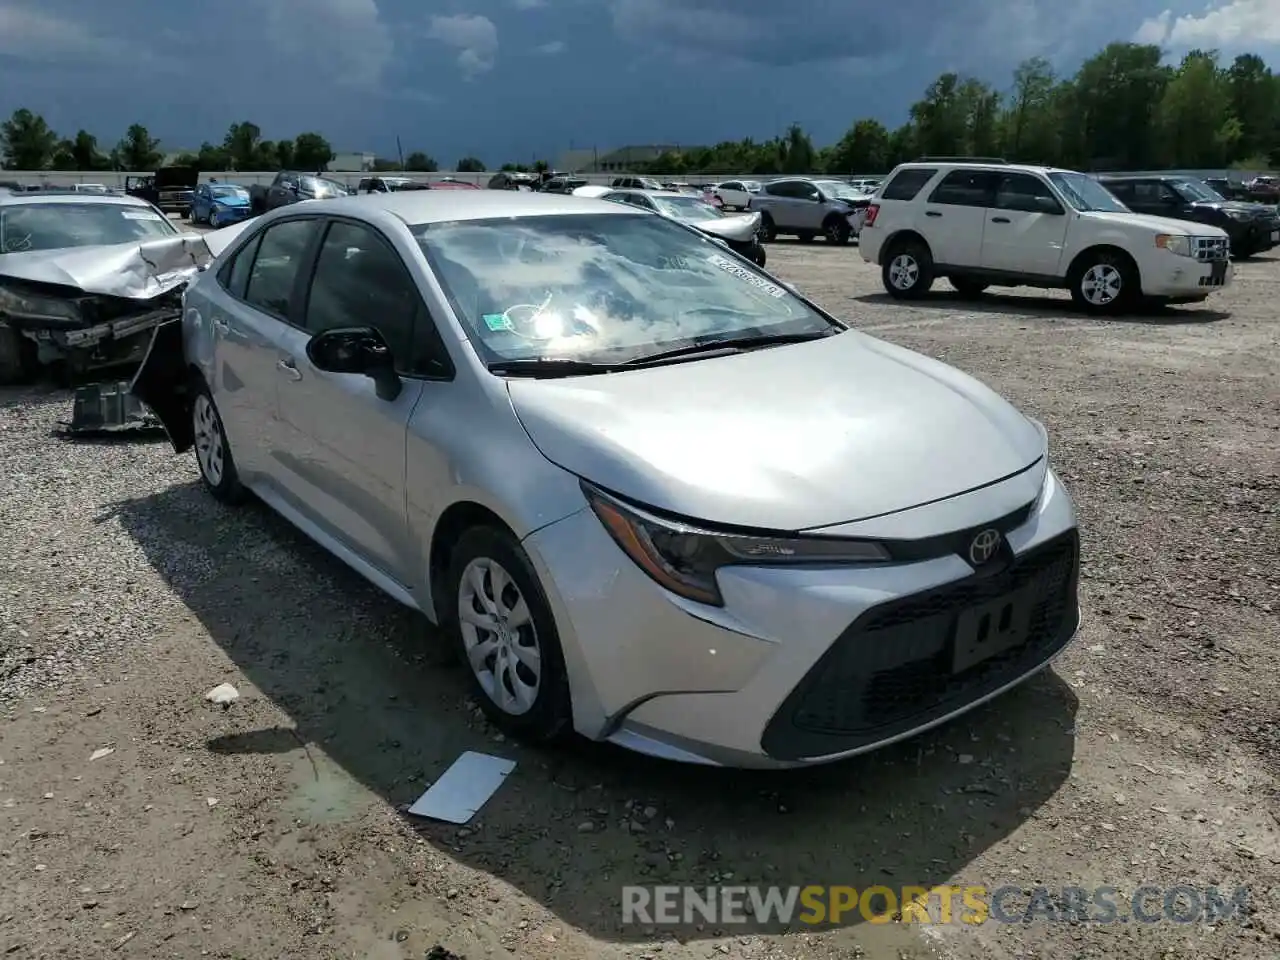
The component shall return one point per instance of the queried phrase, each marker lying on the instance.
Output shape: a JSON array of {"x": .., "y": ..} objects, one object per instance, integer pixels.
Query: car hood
[
  {"x": 134, "y": 271},
  {"x": 741, "y": 228},
  {"x": 785, "y": 438},
  {"x": 232, "y": 201},
  {"x": 1159, "y": 224}
]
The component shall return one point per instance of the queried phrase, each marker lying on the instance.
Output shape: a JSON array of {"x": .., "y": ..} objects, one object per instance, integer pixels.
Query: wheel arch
[
  {"x": 896, "y": 239},
  {"x": 457, "y": 518},
  {"x": 1078, "y": 261}
]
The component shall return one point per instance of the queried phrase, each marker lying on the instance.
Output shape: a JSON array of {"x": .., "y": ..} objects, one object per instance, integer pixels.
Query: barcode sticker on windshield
[
  {"x": 140, "y": 215},
  {"x": 742, "y": 273}
]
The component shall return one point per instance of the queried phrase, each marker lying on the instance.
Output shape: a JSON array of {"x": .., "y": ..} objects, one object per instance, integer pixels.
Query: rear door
[
  {"x": 955, "y": 216},
  {"x": 250, "y": 315},
  {"x": 345, "y": 446},
  {"x": 1026, "y": 228}
]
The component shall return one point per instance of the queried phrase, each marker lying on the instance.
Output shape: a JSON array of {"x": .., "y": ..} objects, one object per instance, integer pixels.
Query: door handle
[
  {"x": 932, "y": 213},
  {"x": 1000, "y": 220},
  {"x": 221, "y": 326},
  {"x": 288, "y": 367}
]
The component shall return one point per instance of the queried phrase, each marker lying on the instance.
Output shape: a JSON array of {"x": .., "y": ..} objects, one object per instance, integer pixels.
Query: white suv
[{"x": 1000, "y": 224}]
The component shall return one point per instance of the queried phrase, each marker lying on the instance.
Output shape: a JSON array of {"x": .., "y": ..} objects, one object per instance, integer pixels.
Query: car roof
[
  {"x": 979, "y": 165},
  {"x": 430, "y": 206},
  {"x": 70, "y": 197},
  {"x": 657, "y": 193}
]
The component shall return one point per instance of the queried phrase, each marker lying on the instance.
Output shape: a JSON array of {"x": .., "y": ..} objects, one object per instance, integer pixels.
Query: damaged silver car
[{"x": 85, "y": 278}]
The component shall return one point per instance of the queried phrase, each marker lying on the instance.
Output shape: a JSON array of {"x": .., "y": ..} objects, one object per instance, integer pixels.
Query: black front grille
[{"x": 894, "y": 668}]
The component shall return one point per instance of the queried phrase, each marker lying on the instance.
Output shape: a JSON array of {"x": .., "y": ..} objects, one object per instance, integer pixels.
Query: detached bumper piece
[
  {"x": 108, "y": 408},
  {"x": 910, "y": 662}
]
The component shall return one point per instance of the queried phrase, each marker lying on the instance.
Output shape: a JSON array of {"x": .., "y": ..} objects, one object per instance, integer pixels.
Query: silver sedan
[{"x": 653, "y": 495}]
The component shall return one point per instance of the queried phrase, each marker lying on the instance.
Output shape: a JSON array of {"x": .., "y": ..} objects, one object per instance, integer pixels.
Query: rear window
[{"x": 907, "y": 184}]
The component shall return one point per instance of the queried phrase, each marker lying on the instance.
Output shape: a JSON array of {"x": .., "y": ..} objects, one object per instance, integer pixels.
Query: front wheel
[
  {"x": 1104, "y": 282},
  {"x": 17, "y": 357},
  {"x": 837, "y": 231},
  {"x": 213, "y": 218},
  {"x": 768, "y": 232},
  {"x": 760, "y": 257},
  {"x": 507, "y": 636},
  {"x": 907, "y": 273}
]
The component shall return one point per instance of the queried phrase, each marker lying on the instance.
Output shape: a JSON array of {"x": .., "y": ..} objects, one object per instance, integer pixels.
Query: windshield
[
  {"x": 229, "y": 191},
  {"x": 319, "y": 185},
  {"x": 690, "y": 208},
  {"x": 601, "y": 288},
  {"x": 57, "y": 226},
  {"x": 1191, "y": 190},
  {"x": 1087, "y": 194},
  {"x": 837, "y": 188}
]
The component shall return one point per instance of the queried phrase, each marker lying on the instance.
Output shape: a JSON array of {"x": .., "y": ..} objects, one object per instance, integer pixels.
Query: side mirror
[{"x": 359, "y": 350}]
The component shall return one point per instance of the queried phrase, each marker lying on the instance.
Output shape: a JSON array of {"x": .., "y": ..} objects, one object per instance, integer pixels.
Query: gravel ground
[{"x": 272, "y": 829}]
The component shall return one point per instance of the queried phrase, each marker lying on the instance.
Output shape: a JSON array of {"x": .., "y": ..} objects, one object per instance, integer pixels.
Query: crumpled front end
[{"x": 90, "y": 308}]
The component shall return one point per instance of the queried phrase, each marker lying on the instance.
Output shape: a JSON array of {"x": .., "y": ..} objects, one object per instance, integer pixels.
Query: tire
[
  {"x": 213, "y": 218},
  {"x": 1103, "y": 282},
  {"x": 768, "y": 232},
  {"x": 17, "y": 363},
  {"x": 761, "y": 257},
  {"x": 525, "y": 696},
  {"x": 837, "y": 231},
  {"x": 907, "y": 273},
  {"x": 968, "y": 287},
  {"x": 213, "y": 454}
]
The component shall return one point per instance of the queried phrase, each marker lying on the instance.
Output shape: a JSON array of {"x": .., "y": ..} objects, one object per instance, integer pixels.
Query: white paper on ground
[{"x": 464, "y": 788}]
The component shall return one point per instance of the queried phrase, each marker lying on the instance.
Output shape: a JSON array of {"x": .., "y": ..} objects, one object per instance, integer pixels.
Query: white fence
[{"x": 67, "y": 178}]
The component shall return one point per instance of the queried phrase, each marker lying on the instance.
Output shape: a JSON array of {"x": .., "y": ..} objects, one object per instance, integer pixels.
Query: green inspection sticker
[{"x": 497, "y": 321}]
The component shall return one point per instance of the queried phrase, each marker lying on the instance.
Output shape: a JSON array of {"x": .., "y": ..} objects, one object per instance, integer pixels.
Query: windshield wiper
[
  {"x": 726, "y": 345},
  {"x": 550, "y": 367}
]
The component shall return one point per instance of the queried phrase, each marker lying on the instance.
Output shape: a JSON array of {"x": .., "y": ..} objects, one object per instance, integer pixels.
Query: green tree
[
  {"x": 312, "y": 152},
  {"x": 1117, "y": 92},
  {"x": 213, "y": 158},
  {"x": 1255, "y": 102},
  {"x": 243, "y": 144},
  {"x": 863, "y": 149},
  {"x": 796, "y": 153},
  {"x": 939, "y": 118},
  {"x": 1029, "y": 132},
  {"x": 285, "y": 154},
  {"x": 139, "y": 150},
  {"x": 27, "y": 141},
  {"x": 1195, "y": 126},
  {"x": 470, "y": 165},
  {"x": 420, "y": 162}
]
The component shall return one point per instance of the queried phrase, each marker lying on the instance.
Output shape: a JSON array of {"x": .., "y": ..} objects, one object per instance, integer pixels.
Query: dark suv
[{"x": 1252, "y": 227}]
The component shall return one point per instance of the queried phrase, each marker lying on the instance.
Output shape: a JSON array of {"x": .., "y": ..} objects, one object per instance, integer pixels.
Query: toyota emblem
[{"x": 983, "y": 547}]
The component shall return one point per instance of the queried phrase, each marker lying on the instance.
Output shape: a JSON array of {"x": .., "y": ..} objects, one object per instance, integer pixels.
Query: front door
[
  {"x": 1026, "y": 228},
  {"x": 346, "y": 445}
]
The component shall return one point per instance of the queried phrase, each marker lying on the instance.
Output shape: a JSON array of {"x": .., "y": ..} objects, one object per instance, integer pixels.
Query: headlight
[
  {"x": 35, "y": 306},
  {"x": 684, "y": 559},
  {"x": 1180, "y": 245},
  {"x": 1240, "y": 214}
]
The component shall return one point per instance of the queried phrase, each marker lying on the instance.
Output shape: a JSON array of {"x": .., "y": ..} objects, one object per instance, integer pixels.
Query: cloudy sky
[{"x": 510, "y": 79}]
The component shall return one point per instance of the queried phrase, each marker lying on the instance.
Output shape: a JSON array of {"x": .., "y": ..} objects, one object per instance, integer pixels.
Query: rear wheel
[
  {"x": 17, "y": 357},
  {"x": 213, "y": 452},
  {"x": 1104, "y": 282},
  {"x": 907, "y": 273}
]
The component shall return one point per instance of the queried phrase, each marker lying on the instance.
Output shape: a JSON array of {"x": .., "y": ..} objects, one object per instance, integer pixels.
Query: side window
[
  {"x": 275, "y": 268},
  {"x": 1147, "y": 191},
  {"x": 807, "y": 191},
  {"x": 1168, "y": 194},
  {"x": 235, "y": 274},
  {"x": 779, "y": 189},
  {"x": 965, "y": 188},
  {"x": 907, "y": 184},
  {"x": 1025, "y": 193},
  {"x": 731, "y": 185},
  {"x": 1121, "y": 190},
  {"x": 360, "y": 280},
  {"x": 640, "y": 200}
]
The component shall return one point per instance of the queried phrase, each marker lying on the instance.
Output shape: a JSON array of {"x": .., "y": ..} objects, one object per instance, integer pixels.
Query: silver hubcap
[
  {"x": 904, "y": 271},
  {"x": 210, "y": 448},
  {"x": 1101, "y": 284},
  {"x": 213, "y": 218},
  {"x": 499, "y": 636}
]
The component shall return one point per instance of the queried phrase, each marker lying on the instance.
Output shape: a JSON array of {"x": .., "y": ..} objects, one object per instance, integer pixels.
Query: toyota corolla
[{"x": 653, "y": 495}]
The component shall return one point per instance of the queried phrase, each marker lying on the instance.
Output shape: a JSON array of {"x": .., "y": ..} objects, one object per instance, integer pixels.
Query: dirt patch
[{"x": 274, "y": 828}]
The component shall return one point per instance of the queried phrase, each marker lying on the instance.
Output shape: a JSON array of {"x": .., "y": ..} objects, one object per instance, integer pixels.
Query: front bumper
[
  {"x": 1185, "y": 277},
  {"x": 800, "y": 666},
  {"x": 232, "y": 214}
]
